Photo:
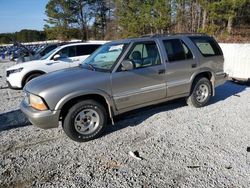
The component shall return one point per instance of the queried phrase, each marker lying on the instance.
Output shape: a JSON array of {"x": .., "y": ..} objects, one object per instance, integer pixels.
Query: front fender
[{"x": 81, "y": 93}]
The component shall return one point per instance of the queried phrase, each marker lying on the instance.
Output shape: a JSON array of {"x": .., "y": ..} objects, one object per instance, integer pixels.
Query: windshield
[
  {"x": 104, "y": 57},
  {"x": 39, "y": 49},
  {"x": 48, "y": 54}
]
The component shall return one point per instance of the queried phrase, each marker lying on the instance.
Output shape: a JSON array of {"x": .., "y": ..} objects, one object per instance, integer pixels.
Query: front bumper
[
  {"x": 220, "y": 78},
  {"x": 14, "y": 81},
  {"x": 43, "y": 119},
  {"x": 12, "y": 87}
]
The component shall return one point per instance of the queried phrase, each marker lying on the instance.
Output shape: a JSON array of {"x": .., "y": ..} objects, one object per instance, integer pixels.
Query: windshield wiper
[{"x": 91, "y": 66}]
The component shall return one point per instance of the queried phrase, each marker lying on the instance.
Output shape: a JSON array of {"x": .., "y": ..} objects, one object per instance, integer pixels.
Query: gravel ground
[
  {"x": 9, "y": 99},
  {"x": 181, "y": 146}
]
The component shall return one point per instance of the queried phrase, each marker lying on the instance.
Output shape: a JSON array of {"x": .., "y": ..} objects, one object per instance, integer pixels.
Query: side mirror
[
  {"x": 127, "y": 65},
  {"x": 56, "y": 57}
]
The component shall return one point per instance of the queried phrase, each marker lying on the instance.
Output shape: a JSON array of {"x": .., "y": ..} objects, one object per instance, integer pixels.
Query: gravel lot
[
  {"x": 9, "y": 99},
  {"x": 181, "y": 146}
]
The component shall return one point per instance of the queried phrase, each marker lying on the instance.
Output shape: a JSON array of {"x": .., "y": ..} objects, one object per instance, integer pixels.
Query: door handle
[
  {"x": 161, "y": 71},
  {"x": 194, "y": 65}
]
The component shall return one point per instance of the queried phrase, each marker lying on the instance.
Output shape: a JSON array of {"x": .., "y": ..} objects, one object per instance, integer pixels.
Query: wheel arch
[
  {"x": 207, "y": 74},
  {"x": 66, "y": 105},
  {"x": 29, "y": 74}
]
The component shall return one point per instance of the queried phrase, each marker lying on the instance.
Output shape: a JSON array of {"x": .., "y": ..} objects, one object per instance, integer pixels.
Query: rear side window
[
  {"x": 207, "y": 46},
  {"x": 67, "y": 52},
  {"x": 177, "y": 50},
  {"x": 86, "y": 49}
]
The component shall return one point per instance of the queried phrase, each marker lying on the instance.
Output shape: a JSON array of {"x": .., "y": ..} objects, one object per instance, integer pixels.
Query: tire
[
  {"x": 85, "y": 121},
  {"x": 200, "y": 93},
  {"x": 32, "y": 76}
]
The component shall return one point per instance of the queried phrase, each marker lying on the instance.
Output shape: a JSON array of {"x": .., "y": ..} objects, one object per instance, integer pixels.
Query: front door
[
  {"x": 65, "y": 60},
  {"x": 145, "y": 83}
]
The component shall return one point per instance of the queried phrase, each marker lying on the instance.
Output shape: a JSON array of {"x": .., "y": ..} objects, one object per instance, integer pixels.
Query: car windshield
[
  {"x": 39, "y": 49},
  {"x": 104, "y": 57},
  {"x": 48, "y": 54}
]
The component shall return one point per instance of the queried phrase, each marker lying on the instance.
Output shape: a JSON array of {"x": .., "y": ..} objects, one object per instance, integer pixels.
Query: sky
[{"x": 16, "y": 15}]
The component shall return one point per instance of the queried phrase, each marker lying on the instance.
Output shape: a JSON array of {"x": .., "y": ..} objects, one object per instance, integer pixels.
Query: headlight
[
  {"x": 37, "y": 102},
  {"x": 13, "y": 71}
]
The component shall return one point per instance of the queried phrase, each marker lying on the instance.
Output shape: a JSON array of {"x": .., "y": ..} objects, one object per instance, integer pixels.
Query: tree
[
  {"x": 112, "y": 19},
  {"x": 61, "y": 19},
  {"x": 137, "y": 17},
  {"x": 101, "y": 14},
  {"x": 24, "y": 35},
  {"x": 83, "y": 12},
  {"x": 65, "y": 16}
]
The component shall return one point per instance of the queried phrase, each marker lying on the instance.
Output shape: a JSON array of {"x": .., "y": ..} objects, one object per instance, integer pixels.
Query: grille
[{"x": 7, "y": 73}]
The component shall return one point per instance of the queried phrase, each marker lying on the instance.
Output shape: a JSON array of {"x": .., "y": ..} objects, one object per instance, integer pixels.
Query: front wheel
[
  {"x": 32, "y": 76},
  {"x": 201, "y": 93},
  {"x": 85, "y": 121}
]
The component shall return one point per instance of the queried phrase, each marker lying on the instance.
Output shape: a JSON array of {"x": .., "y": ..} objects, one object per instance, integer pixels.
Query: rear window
[
  {"x": 207, "y": 46},
  {"x": 86, "y": 49}
]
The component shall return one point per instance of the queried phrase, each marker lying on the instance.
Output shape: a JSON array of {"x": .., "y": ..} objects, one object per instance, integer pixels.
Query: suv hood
[
  {"x": 24, "y": 64},
  {"x": 65, "y": 81}
]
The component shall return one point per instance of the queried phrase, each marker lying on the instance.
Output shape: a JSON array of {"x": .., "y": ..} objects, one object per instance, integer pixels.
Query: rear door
[
  {"x": 82, "y": 52},
  {"x": 145, "y": 83},
  {"x": 180, "y": 65}
]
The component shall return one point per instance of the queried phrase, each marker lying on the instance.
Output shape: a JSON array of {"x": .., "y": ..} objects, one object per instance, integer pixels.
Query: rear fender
[{"x": 200, "y": 73}]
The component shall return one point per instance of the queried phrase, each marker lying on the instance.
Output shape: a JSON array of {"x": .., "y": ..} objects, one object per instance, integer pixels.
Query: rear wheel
[
  {"x": 85, "y": 121},
  {"x": 201, "y": 93}
]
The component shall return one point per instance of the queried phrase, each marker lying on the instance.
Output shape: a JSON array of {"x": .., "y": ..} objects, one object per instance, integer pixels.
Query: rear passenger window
[
  {"x": 207, "y": 46},
  {"x": 177, "y": 50},
  {"x": 86, "y": 49},
  {"x": 67, "y": 52}
]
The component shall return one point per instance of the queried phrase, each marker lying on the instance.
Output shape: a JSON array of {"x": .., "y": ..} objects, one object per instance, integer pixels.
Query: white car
[{"x": 66, "y": 56}]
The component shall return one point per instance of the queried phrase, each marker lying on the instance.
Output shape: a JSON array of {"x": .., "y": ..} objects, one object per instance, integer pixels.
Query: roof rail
[{"x": 172, "y": 34}]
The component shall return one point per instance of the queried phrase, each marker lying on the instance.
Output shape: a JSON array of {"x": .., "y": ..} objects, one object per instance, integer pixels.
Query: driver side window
[{"x": 144, "y": 55}]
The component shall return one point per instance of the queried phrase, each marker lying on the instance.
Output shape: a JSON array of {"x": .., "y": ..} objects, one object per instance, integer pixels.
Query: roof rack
[{"x": 172, "y": 34}]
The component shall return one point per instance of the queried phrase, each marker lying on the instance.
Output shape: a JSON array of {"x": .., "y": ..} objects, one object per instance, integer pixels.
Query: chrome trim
[
  {"x": 120, "y": 111},
  {"x": 177, "y": 83},
  {"x": 140, "y": 91},
  {"x": 219, "y": 73}
]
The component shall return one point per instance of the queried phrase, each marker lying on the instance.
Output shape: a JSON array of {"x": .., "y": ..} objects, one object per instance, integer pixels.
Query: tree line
[
  {"x": 23, "y": 36},
  {"x": 112, "y": 19}
]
